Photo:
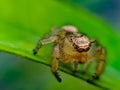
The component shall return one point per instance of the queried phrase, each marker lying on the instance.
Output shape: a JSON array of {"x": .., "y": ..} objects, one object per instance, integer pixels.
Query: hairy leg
[
  {"x": 101, "y": 56},
  {"x": 42, "y": 42},
  {"x": 38, "y": 46},
  {"x": 55, "y": 62},
  {"x": 54, "y": 68}
]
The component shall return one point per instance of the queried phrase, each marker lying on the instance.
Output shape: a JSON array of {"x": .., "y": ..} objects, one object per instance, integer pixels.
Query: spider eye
[
  {"x": 87, "y": 49},
  {"x": 70, "y": 38},
  {"x": 81, "y": 35},
  {"x": 75, "y": 46}
]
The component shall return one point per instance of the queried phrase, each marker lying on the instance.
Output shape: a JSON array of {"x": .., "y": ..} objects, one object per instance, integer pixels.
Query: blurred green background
[{"x": 20, "y": 74}]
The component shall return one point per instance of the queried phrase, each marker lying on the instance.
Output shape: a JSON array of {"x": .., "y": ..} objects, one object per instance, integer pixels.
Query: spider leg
[
  {"x": 38, "y": 46},
  {"x": 101, "y": 56},
  {"x": 55, "y": 62},
  {"x": 42, "y": 42},
  {"x": 54, "y": 68}
]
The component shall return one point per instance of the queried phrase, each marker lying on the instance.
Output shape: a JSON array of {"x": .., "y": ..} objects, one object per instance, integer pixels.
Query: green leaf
[{"x": 24, "y": 22}]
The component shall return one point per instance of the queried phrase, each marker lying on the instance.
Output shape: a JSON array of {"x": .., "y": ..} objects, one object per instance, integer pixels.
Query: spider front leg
[
  {"x": 101, "y": 56},
  {"x": 42, "y": 42},
  {"x": 38, "y": 46},
  {"x": 55, "y": 63}
]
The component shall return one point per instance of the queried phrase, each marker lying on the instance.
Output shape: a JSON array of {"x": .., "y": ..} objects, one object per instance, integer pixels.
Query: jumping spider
[{"x": 69, "y": 45}]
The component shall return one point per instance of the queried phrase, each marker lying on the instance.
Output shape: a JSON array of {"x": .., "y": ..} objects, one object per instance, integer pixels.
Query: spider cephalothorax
[
  {"x": 72, "y": 46},
  {"x": 81, "y": 43}
]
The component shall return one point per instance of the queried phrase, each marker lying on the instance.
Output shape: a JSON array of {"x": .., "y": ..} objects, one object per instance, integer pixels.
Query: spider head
[{"x": 81, "y": 43}]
